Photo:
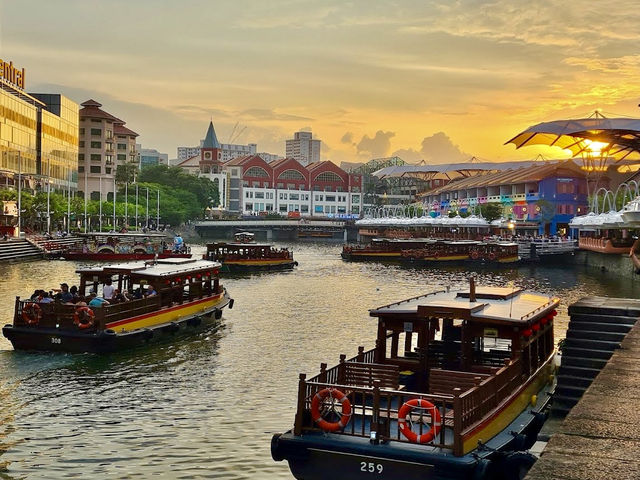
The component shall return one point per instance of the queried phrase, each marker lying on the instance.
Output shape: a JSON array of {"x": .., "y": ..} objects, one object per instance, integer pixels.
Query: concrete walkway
[{"x": 600, "y": 438}]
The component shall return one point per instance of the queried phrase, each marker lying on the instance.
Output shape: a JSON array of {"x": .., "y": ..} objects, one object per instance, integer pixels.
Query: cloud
[
  {"x": 348, "y": 139},
  {"x": 375, "y": 147},
  {"x": 268, "y": 114},
  {"x": 438, "y": 148}
]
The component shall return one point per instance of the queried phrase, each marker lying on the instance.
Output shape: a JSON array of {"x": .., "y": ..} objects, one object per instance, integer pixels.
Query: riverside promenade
[{"x": 600, "y": 437}]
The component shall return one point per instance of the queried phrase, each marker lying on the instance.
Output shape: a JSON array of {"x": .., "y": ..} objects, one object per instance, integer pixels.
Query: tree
[
  {"x": 205, "y": 191},
  {"x": 491, "y": 211},
  {"x": 126, "y": 173}
]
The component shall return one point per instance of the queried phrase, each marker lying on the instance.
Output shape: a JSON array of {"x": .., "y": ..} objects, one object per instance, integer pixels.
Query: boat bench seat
[
  {"x": 445, "y": 381},
  {"x": 364, "y": 374}
]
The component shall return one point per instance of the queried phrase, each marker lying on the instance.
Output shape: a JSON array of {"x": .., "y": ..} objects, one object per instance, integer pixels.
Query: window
[
  {"x": 355, "y": 199},
  {"x": 96, "y": 120},
  {"x": 249, "y": 206},
  {"x": 96, "y": 144},
  {"x": 95, "y": 169},
  {"x": 291, "y": 175},
  {"x": 304, "y": 208},
  {"x": 81, "y": 144},
  {"x": 81, "y": 169},
  {"x": 318, "y": 209},
  {"x": 108, "y": 159},
  {"x": 109, "y": 133},
  {"x": 81, "y": 131},
  {"x": 255, "y": 184},
  {"x": 283, "y": 208},
  {"x": 260, "y": 195},
  {"x": 96, "y": 132},
  {"x": 291, "y": 186},
  {"x": 328, "y": 177},
  {"x": 107, "y": 170},
  {"x": 122, "y": 157},
  {"x": 122, "y": 146},
  {"x": 81, "y": 157},
  {"x": 256, "y": 172},
  {"x": 95, "y": 195},
  {"x": 330, "y": 198},
  {"x": 96, "y": 157},
  {"x": 280, "y": 185},
  {"x": 294, "y": 196}
]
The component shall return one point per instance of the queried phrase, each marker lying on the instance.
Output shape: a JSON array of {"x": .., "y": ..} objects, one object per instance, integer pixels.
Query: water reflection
[{"x": 205, "y": 406}]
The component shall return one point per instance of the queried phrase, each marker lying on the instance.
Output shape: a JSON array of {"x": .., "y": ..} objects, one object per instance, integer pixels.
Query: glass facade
[
  {"x": 18, "y": 138},
  {"x": 39, "y": 138}
]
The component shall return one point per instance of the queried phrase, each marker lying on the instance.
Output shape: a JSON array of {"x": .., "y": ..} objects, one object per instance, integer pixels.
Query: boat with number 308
[
  {"x": 165, "y": 297},
  {"x": 457, "y": 387}
]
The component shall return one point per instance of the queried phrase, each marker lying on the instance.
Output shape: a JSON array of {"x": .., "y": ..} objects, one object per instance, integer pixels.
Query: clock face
[{"x": 207, "y": 155}]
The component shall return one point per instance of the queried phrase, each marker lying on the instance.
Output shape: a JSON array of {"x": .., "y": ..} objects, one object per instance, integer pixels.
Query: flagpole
[
  {"x": 126, "y": 204},
  {"x": 147, "y": 222},
  {"x": 86, "y": 192},
  {"x": 69, "y": 203},
  {"x": 136, "y": 206},
  {"x": 158, "y": 212},
  {"x": 114, "y": 203},
  {"x": 100, "y": 218}
]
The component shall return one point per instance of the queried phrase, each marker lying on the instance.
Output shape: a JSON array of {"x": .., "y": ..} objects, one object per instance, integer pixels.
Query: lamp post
[
  {"x": 86, "y": 192},
  {"x": 49, "y": 197},
  {"x": 147, "y": 221},
  {"x": 158, "y": 212},
  {"x": 19, "y": 193}
]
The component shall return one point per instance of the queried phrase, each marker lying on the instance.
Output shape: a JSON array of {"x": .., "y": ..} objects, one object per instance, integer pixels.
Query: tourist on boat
[
  {"x": 81, "y": 301},
  {"x": 97, "y": 301},
  {"x": 150, "y": 291},
  {"x": 178, "y": 243},
  {"x": 64, "y": 295},
  {"x": 37, "y": 294},
  {"x": 108, "y": 289},
  {"x": 119, "y": 297},
  {"x": 45, "y": 298}
]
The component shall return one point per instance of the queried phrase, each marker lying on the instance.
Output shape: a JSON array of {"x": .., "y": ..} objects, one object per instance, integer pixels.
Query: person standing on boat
[
  {"x": 65, "y": 295},
  {"x": 178, "y": 243},
  {"x": 107, "y": 289}
]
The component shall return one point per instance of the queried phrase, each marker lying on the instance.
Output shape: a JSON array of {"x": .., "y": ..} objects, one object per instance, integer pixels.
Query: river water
[{"x": 207, "y": 405}]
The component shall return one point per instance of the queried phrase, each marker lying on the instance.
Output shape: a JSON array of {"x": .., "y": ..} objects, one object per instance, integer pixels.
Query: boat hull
[
  {"x": 109, "y": 340},
  {"x": 257, "y": 266}
]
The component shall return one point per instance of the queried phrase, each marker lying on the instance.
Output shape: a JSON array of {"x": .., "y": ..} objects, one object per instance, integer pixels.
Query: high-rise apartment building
[
  {"x": 150, "y": 156},
  {"x": 104, "y": 144},
  {"x": 303, "y": 148}
]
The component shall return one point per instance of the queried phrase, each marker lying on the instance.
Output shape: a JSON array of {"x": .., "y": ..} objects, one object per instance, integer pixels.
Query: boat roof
[
  {"x": 239, "y": 244},
  {"x": 462, "y": 242},
  {"x": 166, "y": 267},
  {"x": 493, "y": 305},
  {"x": 405, "y": 240},
  {"x": 121, "y": 235}
]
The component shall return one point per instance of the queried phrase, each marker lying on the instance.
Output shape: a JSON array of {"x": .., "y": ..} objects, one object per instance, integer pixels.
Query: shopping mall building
[{"x": 38, "y": 136}]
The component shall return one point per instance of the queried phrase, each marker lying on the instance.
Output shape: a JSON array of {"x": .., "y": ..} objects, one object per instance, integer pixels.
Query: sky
[{"x": 434, "y": 80}]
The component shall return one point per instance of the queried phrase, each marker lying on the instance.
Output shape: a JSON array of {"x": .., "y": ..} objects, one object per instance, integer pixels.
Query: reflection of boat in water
[
  {"x": 112, "y": 247},
  {"x": 456, "y": 387},
  {"x": 317, "y": 233},
  {"x": 245, "y": 255},
  {"x": 188, "y": 293}
]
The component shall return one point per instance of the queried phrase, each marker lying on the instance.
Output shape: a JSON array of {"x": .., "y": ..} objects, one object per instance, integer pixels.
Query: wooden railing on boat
[
  {"x": 60, "y": 315},
  {"x": 463, "y": 398}
]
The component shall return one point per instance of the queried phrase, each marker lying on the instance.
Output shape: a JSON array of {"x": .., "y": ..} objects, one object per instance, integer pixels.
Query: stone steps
[{"x": 17, "y": 250}]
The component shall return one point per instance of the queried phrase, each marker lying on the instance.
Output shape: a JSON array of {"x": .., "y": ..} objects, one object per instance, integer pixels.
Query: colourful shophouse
[{"x": 538, "y": 198}]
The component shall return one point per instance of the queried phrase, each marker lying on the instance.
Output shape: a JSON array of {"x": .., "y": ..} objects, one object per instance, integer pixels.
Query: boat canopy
[{"x": 167, "y": 267}]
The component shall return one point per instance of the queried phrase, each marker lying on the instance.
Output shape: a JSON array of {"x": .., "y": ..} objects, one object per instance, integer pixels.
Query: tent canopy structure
[{"x": 596, "y": 136}]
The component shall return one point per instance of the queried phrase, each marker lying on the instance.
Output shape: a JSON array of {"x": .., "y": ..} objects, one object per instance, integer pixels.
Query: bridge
[{"x": 279, "y": 229}]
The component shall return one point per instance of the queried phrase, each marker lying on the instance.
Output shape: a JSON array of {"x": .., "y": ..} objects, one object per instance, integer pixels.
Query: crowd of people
[{"x": 110, "y": 295}]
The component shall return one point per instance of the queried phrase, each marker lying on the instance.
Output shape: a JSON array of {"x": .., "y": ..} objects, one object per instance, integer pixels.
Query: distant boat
[{"x": 244, "y": 255}]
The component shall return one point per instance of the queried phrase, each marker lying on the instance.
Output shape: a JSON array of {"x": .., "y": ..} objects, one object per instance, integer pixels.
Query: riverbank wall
[{"x": 619, "y": 265}]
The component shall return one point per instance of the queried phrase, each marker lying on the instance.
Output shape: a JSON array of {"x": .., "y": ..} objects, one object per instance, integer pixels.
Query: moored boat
[
  {"x": 121, "y": 247},
  {"x": 180, "y": 294},
  {"x": 384, "y": 248},
  {"x": 244, "y": 255},
  {"x": 457, "y": 387}
]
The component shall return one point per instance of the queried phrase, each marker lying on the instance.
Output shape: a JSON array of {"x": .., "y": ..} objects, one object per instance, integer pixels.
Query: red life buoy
[
  {"x": 492, "y": 256},
  {"x": 83, "y": 318},
  {"x": 434, "y": 413},
  {"x": 31, "y": 313},
  {"x": 474, "y": 254},
  {"x": 334, "y": 395}
]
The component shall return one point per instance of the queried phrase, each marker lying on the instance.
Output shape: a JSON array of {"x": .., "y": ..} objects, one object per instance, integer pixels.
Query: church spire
[{"x": 210, "y": 140}]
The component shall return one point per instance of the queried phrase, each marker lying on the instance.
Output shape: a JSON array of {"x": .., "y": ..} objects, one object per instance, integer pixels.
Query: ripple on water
[{"x": 206, "y": 406}]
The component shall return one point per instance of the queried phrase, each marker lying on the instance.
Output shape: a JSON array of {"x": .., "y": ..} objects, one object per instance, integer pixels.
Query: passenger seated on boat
[
  {"x": 119, "y": 297},
  {"x": 45, "y": 298},
  {"x": 97, "y": 301},
  {"x": 150, "y": 291},
  {"x": 80, "y": 302}
]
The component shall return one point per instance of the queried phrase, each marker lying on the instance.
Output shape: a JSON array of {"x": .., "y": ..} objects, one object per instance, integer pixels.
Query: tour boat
[
  {"x": 463, "y": 251},
  {"x": 187, "y": 293},
  {"x": 112, "y": 247},
  {"x": 384, "y": 248},
  {"x": 244, "y": 255},
  {"x": 457, "y": 386}
]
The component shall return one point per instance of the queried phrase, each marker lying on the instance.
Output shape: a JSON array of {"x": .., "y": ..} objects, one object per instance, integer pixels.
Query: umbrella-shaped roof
[{"x": 618, "y": 138}]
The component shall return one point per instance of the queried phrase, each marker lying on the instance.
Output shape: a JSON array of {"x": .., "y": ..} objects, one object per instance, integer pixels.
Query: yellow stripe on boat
[{"x": 166, "y": 315}]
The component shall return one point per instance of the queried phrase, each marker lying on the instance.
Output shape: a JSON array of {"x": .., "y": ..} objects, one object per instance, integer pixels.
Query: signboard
[
  {"x": 10, "y": 207},
  {"x": 491, "y": 332},
  {"x": 11, "y": 74}
]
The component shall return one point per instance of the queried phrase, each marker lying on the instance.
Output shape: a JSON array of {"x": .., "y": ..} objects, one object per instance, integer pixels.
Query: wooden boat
[
  {"x": 189, "y": 294},
  {"x": 615, "y": 246},
  {"x": 245, "y": 255},
  {"x": 456, "y": 387},
  {"x": 384, "y": 248},
  {"x": 113, "y": 247}
]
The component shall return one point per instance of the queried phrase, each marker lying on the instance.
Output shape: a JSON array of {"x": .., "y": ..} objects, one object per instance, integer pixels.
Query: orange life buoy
[
  {"x": 334, "y": 395},
  {"x": 83, "y": 318},
  {"x": 434, "y": 413},
  {"x": 474, "y": 254},
  {"x": 492, "y": 256},
  {"x": 31, "y": 313}
]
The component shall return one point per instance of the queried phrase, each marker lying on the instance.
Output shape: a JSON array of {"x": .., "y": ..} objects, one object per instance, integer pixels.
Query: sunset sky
[{"x": 435, "y": 80}]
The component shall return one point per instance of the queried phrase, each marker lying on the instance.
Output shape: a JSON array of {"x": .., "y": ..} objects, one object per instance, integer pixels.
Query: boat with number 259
[
  {"x": 186, "y": 294},
  {"x": 457, "y": 387}
]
